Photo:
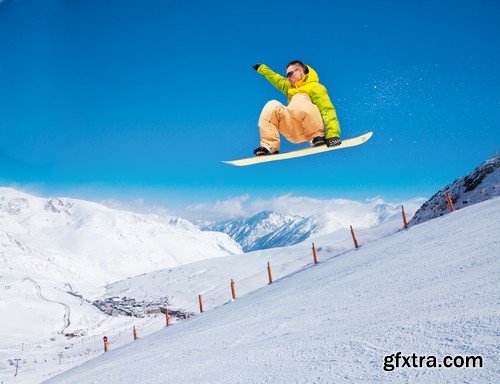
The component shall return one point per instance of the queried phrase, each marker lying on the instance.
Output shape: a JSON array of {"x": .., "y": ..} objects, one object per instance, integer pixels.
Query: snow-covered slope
[
  {"x": 271, "y": 229},
  {"x": 52, "y": 250},
  {"x": 431, "y": 290},
  {"x": 211, "y": 277},
  {"x": 49, "y": 247},
  {"x": 88, "y": 244},
  {"x": 481, "y": 184}
]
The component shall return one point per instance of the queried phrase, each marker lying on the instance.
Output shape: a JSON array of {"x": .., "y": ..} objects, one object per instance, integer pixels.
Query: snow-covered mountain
[
  {"x": 428, "y": 292},
  {"x": 292, "y": 232},
  {"x": 58, "y": 254},
  {"x": 49, "y": 246},
  {"x": 89, "y": 245},
  {"x": 271, "y": 229},
  {"x": 251, "y": 232},
  {"x": 481, "y": 184}
]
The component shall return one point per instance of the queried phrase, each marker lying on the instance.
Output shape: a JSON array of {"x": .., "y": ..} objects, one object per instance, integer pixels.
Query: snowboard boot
[
  {"x": 263, "y": 151},
  {"x": 318, "y": 141},
  {"x": 333, "y": 141}
]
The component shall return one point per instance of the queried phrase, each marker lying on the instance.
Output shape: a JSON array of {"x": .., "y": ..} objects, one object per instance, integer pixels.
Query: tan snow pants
[{"x": 298, "y": 122}]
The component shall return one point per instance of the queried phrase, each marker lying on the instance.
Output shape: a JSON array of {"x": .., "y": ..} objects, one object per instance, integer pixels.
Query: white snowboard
[{"x": 300, "y": 152}]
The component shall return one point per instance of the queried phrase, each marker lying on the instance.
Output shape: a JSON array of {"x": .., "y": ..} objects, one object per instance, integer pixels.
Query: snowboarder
[{"x": 309, "y": 116}]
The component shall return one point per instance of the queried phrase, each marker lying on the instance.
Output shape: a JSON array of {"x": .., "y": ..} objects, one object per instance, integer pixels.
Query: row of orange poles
[{"x": 270, "y": 274}]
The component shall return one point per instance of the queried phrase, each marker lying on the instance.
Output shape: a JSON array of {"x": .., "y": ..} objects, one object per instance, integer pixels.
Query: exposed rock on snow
[{"x": 481, "y": 184}]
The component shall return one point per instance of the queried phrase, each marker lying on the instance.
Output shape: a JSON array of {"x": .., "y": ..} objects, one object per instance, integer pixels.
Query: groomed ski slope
[{"x": 430, "y": 290}]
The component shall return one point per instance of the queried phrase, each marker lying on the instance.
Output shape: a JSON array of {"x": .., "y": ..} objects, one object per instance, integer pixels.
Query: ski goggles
[{"x": 289, "y": 74}]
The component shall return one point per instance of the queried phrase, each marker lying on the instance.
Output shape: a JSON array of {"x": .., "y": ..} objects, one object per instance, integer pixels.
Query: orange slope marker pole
[
  {"x": 167, "y": 317},
  {"x": 233, "y": 289},
  {"x": 200, "y": 302},
  {"x": 315, "y": 255},
  {"x": 450, "y": 203},
  {"x": 269, "y": 273},
  {"x": 106, "y": 343},
  {"x": 405, "y": 223},
  {"x": 356, "y": 245}
]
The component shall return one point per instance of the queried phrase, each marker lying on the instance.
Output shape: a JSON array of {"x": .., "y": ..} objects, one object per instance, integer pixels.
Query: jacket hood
[{"x": 311, "y": 77}]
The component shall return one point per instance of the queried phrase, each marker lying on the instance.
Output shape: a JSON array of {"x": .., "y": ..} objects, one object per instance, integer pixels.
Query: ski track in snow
[{"x": 67, "y": 310}]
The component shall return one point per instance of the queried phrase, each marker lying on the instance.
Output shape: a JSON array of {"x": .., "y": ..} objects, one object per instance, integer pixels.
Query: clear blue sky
[{"x": 143, "y": 99}]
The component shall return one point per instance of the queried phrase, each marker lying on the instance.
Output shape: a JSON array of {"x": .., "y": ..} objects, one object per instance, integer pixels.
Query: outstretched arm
[{"x": 280, "y": 82}]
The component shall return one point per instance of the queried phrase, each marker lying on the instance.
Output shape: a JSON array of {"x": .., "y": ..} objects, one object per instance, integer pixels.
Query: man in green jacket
[{"x": 309, "y": 116}]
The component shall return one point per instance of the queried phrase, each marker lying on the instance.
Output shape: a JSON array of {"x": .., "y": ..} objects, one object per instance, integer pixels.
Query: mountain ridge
[
  {"x": 96, "y": 244},
  {"x": 269, "y": 229},
  {"x": 482, "y": 183}
]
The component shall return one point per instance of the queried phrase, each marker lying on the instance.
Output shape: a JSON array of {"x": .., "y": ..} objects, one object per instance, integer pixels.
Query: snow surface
[
  {"x": 58, "y": 254},
  {"x": 90, "y": 245},
  {"x": 212, "y": 277},
  {"x": 50, "y": 247},
  {"x": 430, "y": 290}
]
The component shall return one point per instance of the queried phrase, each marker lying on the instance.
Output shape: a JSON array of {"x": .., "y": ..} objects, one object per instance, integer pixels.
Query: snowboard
[{"x": 300, "y": 152}]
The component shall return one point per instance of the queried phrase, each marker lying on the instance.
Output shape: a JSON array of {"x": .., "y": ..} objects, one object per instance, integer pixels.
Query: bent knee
[{"x": 272, "y": 104}]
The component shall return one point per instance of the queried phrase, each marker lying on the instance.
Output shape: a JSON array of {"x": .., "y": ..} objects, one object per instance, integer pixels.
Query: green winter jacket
[{"x": 317, "y": 93}]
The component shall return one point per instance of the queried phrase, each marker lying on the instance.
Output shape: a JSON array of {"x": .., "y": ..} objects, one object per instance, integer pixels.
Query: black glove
[
  {"x": 256, "y": 66},
  {"x": 333, "y": 141}
]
